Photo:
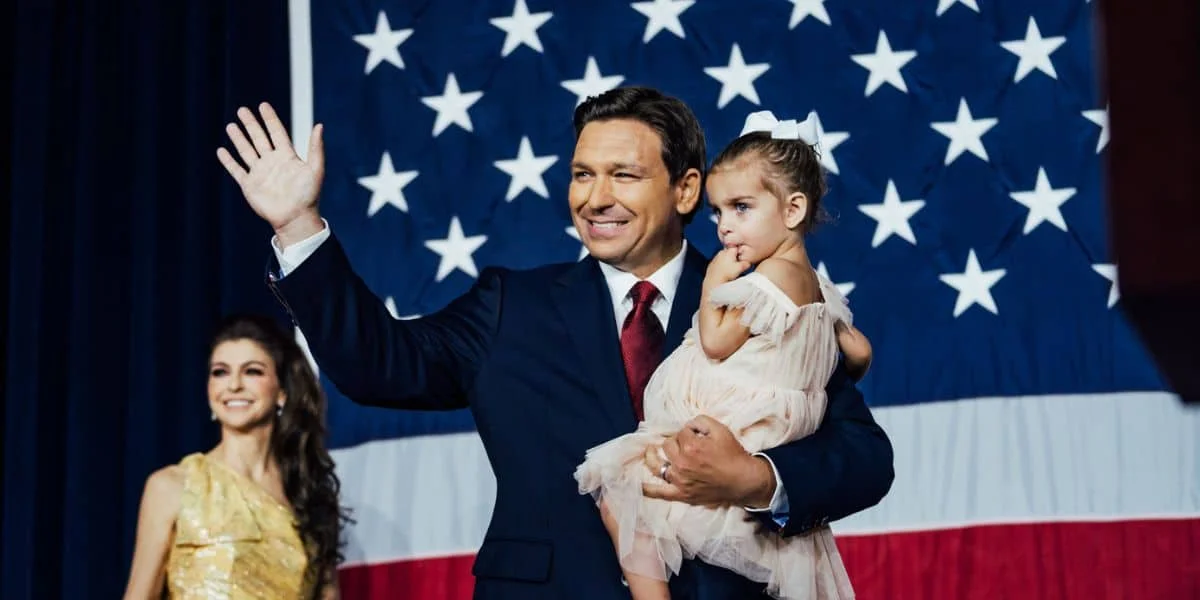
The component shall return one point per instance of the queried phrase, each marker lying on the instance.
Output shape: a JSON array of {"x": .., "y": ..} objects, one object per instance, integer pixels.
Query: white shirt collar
[{"x": 666, "y": 278}]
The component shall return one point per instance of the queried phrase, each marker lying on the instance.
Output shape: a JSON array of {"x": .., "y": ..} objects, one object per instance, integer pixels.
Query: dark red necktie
[{"x": 641, "y": 342}]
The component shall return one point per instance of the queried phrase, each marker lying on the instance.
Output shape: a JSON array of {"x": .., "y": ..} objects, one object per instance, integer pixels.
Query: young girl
[{"x": 761, "y": 351}]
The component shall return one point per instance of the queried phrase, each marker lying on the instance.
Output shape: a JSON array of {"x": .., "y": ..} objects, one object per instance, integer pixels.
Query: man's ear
[
  {"x": 795, "y": 210},
  {"x": 687, "y": 191}
]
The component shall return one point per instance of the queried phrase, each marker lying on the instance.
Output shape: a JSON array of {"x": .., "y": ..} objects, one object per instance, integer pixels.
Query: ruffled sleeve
[
  {"x": 766, "y": 309},
  {"x": 837, "y": 304}
]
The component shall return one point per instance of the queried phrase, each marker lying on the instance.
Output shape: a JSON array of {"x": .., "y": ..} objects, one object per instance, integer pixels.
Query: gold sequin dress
[{"x": 233, "y": 540}]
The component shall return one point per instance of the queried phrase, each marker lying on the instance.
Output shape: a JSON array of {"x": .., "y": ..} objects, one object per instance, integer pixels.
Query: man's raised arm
[{"x": 427, "y": 363}]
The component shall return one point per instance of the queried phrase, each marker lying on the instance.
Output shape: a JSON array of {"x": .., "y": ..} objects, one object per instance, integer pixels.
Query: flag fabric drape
[{"x": 1038, "y": 454}]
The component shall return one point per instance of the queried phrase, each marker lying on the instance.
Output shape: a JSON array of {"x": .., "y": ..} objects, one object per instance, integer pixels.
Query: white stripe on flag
[
  {"x": 995, "y": 460},
  {"x": 417, "y": 497},
  {"x": 1039, "y": 458}
]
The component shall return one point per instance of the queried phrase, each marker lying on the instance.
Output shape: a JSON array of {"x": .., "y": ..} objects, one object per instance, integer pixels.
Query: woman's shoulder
[
  {"x": 168, "y": 482},
  {"x": 164, "y": 489},
  {"x": 169, "y": 478}
]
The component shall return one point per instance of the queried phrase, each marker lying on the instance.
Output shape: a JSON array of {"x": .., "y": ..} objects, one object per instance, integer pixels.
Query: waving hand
[{"x": 279, "y": 186}]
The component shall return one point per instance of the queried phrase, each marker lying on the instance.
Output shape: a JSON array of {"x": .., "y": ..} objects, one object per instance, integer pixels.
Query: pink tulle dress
[{"x": 769, "y": 392}]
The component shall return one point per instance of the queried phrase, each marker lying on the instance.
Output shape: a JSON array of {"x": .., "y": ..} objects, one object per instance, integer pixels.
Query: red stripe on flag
[
  {"x": 447, "y": 578},
  {"x": 1127, "y": 560},
  {"x": 1123, "y": 560}
]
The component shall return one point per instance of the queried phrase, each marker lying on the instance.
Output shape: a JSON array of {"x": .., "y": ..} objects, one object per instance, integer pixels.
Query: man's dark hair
[{"x": 678, "y": 130}]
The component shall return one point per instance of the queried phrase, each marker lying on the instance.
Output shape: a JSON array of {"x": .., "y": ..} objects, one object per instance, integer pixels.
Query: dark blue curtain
[{"x": 127, "y": 243}]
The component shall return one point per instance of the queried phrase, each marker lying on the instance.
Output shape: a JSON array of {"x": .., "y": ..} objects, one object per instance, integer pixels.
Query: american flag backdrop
[{"x": 1038, "y": 453}]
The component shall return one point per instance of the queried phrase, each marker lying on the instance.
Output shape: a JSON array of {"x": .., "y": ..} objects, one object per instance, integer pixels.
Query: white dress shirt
[
  {"x": 666, "y": 279},
  {"x": 620, "y": 283}
]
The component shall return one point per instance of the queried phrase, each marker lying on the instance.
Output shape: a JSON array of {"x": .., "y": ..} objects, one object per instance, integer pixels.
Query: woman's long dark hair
[{"x": 298, "y": 443}]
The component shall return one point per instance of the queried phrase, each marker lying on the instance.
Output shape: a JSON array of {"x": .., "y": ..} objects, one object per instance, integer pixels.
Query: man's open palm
[{"x": 278, "y": 185}]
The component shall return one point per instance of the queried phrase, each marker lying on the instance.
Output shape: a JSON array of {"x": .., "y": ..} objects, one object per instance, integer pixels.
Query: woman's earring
[
  {"x": 279, "y": 411},
  {"x": 212, "y": 416}
]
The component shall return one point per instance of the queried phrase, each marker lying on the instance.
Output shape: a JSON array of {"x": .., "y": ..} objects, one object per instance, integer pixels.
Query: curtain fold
[{"x": 128, "y": 242}]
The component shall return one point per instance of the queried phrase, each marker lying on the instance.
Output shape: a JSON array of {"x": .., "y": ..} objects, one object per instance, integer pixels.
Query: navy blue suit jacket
[{"x": 534, "y": 354}]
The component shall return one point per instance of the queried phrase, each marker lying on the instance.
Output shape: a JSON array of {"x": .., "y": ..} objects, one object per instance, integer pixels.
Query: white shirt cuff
[
  {"x": 291, "y": 257},
  {"x": 779, "y": 501}
]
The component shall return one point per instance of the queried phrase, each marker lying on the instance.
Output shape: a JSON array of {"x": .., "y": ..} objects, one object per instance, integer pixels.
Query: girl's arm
[
  {"x": 156, "y": 525},
  {"x": 856, "y": 348},
  {"x": 721, "y": 330}
]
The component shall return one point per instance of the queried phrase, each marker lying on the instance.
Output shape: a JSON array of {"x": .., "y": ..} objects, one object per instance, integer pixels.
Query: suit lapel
[
  {"x": 583, "y": 300},
  {"x": 687, "y": 298}
]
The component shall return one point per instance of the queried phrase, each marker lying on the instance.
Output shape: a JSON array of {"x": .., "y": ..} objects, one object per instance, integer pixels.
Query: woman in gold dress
[{"x": 257, "y": 516}]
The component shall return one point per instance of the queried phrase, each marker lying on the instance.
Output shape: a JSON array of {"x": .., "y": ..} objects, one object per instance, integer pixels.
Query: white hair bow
[{"x": 764, "y": 120}]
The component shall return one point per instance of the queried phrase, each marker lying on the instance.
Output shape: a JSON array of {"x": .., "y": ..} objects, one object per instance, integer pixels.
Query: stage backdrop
[
  {"x": 1038, "y": 454},
  {"x": 127, "y": 243}
]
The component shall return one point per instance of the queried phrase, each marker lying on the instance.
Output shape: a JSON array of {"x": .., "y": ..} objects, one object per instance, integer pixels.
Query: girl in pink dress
[{"x": 761, "y": 350}]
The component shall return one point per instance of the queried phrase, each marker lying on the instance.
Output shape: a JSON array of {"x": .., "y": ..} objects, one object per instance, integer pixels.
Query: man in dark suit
[{"x": 552, "y": 361}]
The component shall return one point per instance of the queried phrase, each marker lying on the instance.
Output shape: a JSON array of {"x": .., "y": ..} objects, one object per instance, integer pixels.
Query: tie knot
[{"x": 643, "y": 292}]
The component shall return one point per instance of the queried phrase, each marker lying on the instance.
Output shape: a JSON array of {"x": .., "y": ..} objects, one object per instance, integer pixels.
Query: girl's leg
[{"x": 640, "y": 586}]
